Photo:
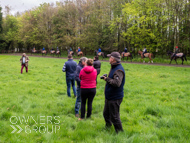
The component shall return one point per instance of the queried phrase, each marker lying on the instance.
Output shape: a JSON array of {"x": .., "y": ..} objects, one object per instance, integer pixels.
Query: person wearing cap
[
  {"x": 70, "y": 69},
  {"x": 24, "y": 62},
  {"x": 80, "y": 66},
  {"x": 114, "y": 92},
  {"x": 176, "y": 51}
]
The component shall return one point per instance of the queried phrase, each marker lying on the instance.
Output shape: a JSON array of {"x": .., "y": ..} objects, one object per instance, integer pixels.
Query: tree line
[{"x": 158, "y": 25}]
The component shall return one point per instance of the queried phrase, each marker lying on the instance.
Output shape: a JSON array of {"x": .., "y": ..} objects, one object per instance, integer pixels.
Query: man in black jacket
[
  {"x": 80, "y": 65},
  {"x": 114, "y": 92}
]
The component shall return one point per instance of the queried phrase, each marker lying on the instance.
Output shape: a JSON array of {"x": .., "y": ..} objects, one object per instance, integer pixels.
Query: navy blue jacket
[
  {"x": 70, "y": 68},
  {"x": 111, "y": 92},
  {"x": 79, "y": 68}
]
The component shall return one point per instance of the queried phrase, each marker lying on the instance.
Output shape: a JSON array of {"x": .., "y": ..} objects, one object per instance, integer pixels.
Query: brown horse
[
  {"x": 100, "y": 54},
  {"x": 146, "y": 55},
  {"x": 44, "y": 52},
  {"x": 79, "y": 53},
  {"x": 128, "y": 54}
]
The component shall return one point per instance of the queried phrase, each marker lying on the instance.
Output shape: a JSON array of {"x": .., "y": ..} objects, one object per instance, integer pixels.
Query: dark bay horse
[
  {"x": 100, "y": 54},
  {"x": 147, "y": 55},
  {"x": 58, "y": 53},
  {"x": 52, "y": 52},
  {"x": 176, "y": 56},
  {"x": 128, "y": 54}
]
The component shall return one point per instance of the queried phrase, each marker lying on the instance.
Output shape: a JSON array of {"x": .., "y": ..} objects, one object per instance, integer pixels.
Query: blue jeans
[
  {"x": 70, "y": 80},
  {"x": 78, "y": 101}
]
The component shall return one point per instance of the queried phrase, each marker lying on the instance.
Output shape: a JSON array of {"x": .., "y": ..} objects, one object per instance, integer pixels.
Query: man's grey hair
[{"x": 83, "y": 59}]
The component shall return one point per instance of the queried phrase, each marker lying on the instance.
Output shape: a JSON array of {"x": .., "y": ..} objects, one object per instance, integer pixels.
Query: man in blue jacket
[
  {"x": 114, "y": 92},
  {"x": 70, "y": 69},
  {"x": 80, "y": 65}
]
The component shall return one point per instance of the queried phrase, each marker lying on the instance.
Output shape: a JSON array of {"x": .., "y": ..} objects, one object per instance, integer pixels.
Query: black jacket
[{"x": 97, "y": 66}]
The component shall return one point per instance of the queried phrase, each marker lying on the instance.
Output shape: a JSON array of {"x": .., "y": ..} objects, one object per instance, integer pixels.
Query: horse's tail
[{"x": 153, "y": 55}]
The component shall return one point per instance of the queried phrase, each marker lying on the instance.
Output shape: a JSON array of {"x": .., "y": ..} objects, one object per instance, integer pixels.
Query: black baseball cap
[{"x": 115, "y": 55}]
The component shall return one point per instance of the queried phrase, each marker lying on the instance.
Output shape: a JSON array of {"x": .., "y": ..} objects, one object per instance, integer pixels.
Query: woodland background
[{"x": 158, "y": 25}]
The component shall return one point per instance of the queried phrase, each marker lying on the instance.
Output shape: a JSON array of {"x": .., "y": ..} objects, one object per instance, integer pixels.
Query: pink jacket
[{"x": 88, "y": 77}]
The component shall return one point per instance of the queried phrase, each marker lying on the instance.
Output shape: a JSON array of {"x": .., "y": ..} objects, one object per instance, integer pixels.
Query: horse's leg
[
  {"x": 175, "y": 60},
  {"x": 182, "y": 60}
]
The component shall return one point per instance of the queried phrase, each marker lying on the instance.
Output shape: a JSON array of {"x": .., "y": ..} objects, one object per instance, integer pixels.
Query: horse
[
  {"x": 176, "y": 56},
  {"x": 58, "y": 53},
  {"x": 44, "y": 52},
  {"x": 52, "y": 52},
  {"x": 128, "y": 54},
  {"x": 100, "y": 54},
  {"x": 70, "y": 52},
  {"x": 147, "y": 55},
  {"x": 79, "y": 53},
  {"x": 34, "y": 51}
]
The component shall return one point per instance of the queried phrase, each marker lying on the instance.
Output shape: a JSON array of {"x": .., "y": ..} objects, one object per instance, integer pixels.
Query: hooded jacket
[{"x": 88, "y": 77}]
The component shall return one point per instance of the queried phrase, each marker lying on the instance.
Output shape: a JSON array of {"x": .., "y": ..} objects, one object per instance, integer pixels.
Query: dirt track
[{"x": 154, "y": 64}]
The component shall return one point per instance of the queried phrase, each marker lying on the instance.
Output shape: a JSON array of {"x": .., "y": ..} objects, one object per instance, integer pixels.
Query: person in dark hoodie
[
  {"x": 81, "y": 64},
  {"x": 88, "y": 87},
  {"x": 97, "y": 64}
]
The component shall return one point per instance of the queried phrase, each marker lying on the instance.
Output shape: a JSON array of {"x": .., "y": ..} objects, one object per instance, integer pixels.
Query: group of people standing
[{"x": 85, "y": 74}]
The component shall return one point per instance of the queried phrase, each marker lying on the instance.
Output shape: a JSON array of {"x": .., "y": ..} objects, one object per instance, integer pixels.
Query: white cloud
[{"x": 22, "y": 5}]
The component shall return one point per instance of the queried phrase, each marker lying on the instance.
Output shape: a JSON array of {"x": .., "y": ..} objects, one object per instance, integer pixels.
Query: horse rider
[
  {"x": 70, "y": 49},
  {"x": 144, "y": 51},
  {"x": 125, "y": 50},
  {"x": 57, "y": 48},
  {"x": 79, "y": 50},
  {"x": 52, "y": 49},
  {"x": 99, "y": 51},
  {"x": 34, "y": 50},
  {"x": 43, "y": 49},
  {"x": 176, "y": 51}
]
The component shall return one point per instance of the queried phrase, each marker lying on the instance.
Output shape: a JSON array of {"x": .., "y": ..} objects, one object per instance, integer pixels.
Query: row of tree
[{"x": 158, "y": 25}]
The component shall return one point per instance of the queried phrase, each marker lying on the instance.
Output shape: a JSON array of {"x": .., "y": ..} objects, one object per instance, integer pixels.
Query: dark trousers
[
  {"x": 23, "y": 65},
  {"x": 87, "y": 94},
  {"x": 111, "y": 114}
]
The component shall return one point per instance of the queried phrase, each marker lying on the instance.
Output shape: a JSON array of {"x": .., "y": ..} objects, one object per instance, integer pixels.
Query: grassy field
[{"x": 155, "y": 108}]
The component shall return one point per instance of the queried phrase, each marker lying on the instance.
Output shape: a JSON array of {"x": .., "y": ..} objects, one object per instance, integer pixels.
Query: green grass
[{"x": 155, "y": 108}]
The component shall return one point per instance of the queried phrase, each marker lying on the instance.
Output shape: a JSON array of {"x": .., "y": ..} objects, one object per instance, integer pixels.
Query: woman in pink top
[{"x": 88, "y": 87}]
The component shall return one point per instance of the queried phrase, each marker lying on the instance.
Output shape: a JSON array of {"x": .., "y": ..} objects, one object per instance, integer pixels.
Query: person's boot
[{"x": 118, "y": 128}]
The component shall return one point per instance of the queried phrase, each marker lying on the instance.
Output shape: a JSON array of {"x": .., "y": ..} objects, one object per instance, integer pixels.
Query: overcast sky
[{"x": 22, "y": 5}]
